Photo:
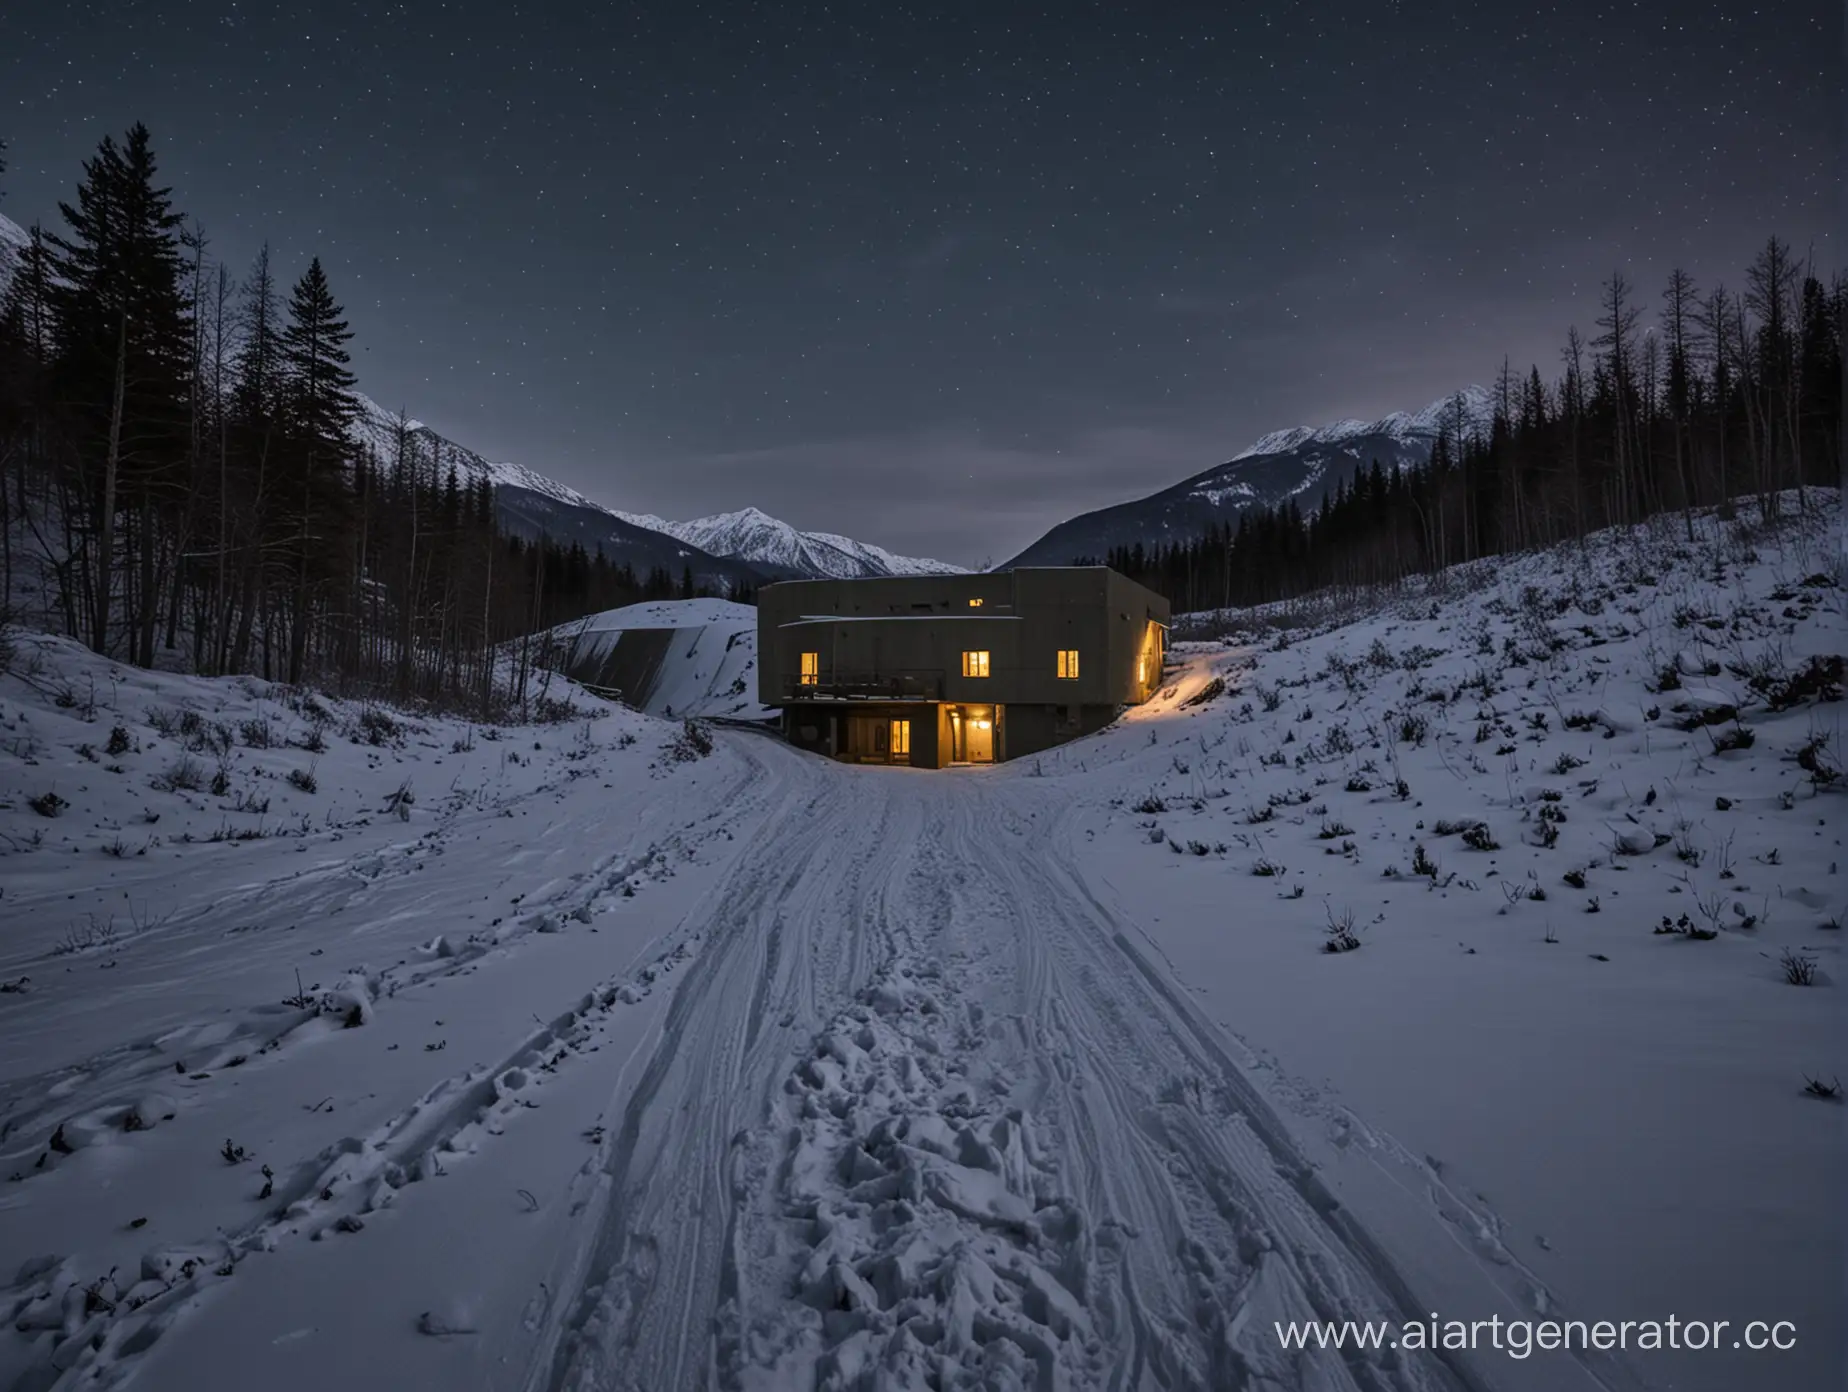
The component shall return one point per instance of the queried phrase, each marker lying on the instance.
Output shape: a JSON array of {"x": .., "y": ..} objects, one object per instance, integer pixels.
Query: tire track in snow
[
  {"x": 1013, "y": 1159},
  {"x": 793, "y": 929}
]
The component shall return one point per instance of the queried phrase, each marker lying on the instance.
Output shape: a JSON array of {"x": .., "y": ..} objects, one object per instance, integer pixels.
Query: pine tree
[
  {"x": 319, "y": 415},
  {"x": 121, "y": 325}
]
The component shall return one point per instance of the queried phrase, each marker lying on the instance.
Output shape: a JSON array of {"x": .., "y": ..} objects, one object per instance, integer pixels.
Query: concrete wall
[{"x": 1034, "y": 729}]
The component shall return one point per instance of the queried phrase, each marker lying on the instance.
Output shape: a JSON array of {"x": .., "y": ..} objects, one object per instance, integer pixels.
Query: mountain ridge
[
  {"x": 1300, "y": 462},
  {"x": 752, "y": 534}
]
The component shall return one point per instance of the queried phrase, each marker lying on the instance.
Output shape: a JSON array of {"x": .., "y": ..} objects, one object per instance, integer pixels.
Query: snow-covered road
[
  {"x": 918, "y": 1108},
  {"x": 921, "y": 1111}
]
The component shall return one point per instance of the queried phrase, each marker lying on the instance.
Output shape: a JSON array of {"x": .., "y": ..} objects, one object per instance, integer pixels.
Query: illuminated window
[
  {"x": 975, "y": 604},
  {"x": 811, "y": 669},
  {"x": 901, "y": 738},
  {"x": 975, "y": 664},
  {"x": 1142, "y": 671},
  {"x": 1068, "y": 664}
]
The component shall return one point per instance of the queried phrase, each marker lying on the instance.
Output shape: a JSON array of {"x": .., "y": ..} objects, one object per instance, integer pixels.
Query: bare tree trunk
[{"x": 105, "y": 545}]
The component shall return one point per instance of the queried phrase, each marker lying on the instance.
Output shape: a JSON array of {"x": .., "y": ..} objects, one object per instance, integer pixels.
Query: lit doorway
[{"x": 972, "y": 734}]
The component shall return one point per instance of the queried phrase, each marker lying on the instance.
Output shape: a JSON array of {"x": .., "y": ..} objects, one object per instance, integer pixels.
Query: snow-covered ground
[{"x": 617, "y": 1064}]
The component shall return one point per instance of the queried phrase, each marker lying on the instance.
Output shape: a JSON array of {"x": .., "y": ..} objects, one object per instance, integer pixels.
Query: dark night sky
[{"x": 941, "y": 277}]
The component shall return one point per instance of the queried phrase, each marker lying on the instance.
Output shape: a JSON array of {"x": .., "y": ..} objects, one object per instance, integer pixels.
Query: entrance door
[
  {"x": 898, "y": 742},
  {"x": 868, "y": 738},
  {"x": 980, "y": 727},
  {"x": 972, "y": 734}
]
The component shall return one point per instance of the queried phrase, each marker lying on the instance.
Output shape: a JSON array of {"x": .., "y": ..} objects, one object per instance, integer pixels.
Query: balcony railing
[{"x": 914, "y": 684}]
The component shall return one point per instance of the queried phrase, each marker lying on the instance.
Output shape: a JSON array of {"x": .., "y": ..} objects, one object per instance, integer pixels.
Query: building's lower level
[{"x": 935, "y": 734}]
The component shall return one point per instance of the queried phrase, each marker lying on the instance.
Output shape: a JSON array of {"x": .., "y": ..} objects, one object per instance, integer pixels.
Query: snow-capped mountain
[
  {"x": 532, "y": 505},
  {"x": 1419, "y": 426},
  {"x": 1303, "y": 462},
  {"x": 775, "y": 546},
  {"x": 746, "y": 546}
]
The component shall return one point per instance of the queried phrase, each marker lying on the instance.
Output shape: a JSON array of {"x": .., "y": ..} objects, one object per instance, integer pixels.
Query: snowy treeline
[{"x": 1726, "y": 393}]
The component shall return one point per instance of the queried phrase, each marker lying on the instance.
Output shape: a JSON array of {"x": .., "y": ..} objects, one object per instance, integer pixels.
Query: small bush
[
  {"x": 94, "y": 932},
  {"x": 1150, "y": 806},
  {"x": 1813, "y": 759},
  {"x": 377, "y": 728},
  {"x": 215, "y": 738},
  {"x": 1422, "y": 864},
  {"x": 257, "y": 734},
  {"x": 1334, "y": 831},
  {"x": 1477, "y": 838},
  {"x": 1712, "y": 715},
  {"x": 1820, "y": 680},
  {"x": 1342, "y": 935},
  {"x": 1575, "y": 878},
  {"x": 1255, "y": 816},
  {"x": 693, "y": 742},
  {"x": 47, "y": 804},
  {"x": 119, "y": 743},
  {"x": 1736, "y": 738},
  {"x": 183, "y": 775},
  {"x": 1799, "y": 970},
  {"x": 1565, "y": 763},
  {"x": 1212, "y": 691},
  {"x": 304, "y": 780},
  {"x": 1267, "y": 868}
]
